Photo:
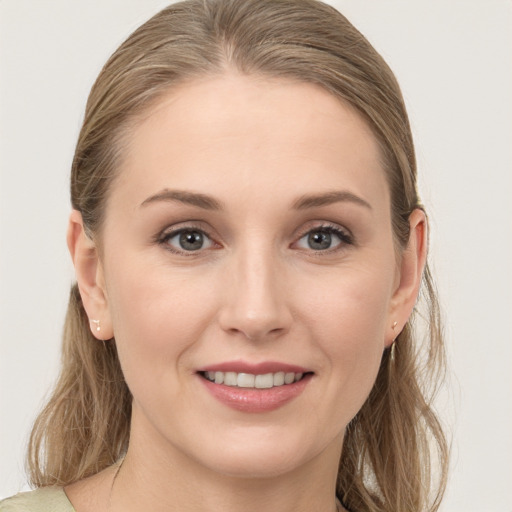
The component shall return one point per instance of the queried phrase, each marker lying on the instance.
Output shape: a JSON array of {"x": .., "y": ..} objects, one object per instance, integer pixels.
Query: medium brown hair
[{"x": 395, "y": 442}]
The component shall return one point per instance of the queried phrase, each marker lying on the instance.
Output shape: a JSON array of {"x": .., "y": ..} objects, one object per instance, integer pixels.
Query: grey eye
[
  {"x": 319, "y": 240},
  {"x": 189, "y": 240},
  {"x": 322, "y": 239}
]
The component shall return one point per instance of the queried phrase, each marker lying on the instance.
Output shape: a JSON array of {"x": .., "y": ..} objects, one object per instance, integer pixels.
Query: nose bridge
[{"x": 256, "y": 304}]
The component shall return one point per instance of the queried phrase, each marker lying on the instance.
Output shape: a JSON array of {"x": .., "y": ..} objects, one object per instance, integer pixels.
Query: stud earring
[
  {"x": 97, "y": 324},
  {"x": 394, "y": 325}
]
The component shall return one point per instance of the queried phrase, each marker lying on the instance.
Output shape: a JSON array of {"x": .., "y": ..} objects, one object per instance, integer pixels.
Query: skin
[{"x": 256, "y": 291}]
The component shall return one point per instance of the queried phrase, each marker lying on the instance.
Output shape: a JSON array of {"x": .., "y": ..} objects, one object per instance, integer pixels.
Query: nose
[{"x": 256, "y": 304}]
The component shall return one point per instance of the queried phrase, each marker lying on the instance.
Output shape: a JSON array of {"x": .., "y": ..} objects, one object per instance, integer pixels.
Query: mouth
[
  {"x": 254, "y": 381},
  {"x": 255, "y": 388}
]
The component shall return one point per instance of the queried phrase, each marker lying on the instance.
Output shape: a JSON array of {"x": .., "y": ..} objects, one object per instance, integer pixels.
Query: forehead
[{"x": 251, "y": 132}]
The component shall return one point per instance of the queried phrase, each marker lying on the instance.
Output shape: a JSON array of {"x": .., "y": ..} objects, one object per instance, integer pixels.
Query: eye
[
  {"x": 324, "y": 238},
  {"x": 189, "y": 240}
]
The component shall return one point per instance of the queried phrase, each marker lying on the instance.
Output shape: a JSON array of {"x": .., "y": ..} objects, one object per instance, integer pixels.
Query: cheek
[
  {"x": 157, "y": 315},
  {"x": 351, "y": 305},
  {"x": 349, "y": 320}
]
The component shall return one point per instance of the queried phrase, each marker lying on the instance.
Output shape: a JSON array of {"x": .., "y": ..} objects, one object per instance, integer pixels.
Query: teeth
[
  {"x": 278, "y": 379},
  {"x": 245, "y": 380},
  {"x": 230, "y": 379},
  {"x": 264, "y": 381},
  {"x": 289, "y": 378},
  {"x": 248, "y": 380}
]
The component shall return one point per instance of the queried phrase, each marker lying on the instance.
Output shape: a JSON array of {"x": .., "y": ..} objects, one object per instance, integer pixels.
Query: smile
[
  {"x": 249, "y": 380},
  {"x": 255, "y": 388}
]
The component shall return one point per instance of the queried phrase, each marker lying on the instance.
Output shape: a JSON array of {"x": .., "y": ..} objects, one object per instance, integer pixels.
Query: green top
[
  {"x": 47, "y": 499},
  {"x": 44, "y": 499}
]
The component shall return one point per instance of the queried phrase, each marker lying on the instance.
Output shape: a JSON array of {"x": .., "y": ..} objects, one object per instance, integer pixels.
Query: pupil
[
  {"x": 320, "y": 240},
  {"x": 191, "y": 240}
]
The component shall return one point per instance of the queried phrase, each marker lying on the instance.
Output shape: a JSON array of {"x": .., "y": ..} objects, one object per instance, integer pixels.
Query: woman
[{"x": 249, "y": 247}]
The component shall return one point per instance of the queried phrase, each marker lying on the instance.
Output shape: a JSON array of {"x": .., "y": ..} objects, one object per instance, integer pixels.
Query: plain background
[{"x": 453, "y": 61}]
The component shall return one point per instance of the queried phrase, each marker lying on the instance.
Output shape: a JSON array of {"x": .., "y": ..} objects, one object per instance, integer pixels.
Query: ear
[
  {"x": 89, "y": 276},
  {"x": 409, "y": 276}
]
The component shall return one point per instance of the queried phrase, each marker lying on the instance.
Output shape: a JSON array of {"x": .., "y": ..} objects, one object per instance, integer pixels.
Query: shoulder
[{"x": 44, "y": 499}]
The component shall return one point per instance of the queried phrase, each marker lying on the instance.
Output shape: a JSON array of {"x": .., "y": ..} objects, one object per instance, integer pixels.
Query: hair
[{"x": 395, "y": 454}]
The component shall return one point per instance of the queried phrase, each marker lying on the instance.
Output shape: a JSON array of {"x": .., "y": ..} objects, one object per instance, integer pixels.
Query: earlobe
[
  {"x": 410, "y": 274},
  {"x": 89, "y": 276}
]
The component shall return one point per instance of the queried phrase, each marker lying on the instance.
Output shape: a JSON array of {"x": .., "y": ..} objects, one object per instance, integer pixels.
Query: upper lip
[{"x": 254, "y": 368}]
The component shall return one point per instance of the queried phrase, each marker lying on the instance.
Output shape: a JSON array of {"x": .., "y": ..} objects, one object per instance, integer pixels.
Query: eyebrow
[
  {"x": 209, "y": 203},
  {"x": 193, "y": 198},
  {"x": 317, "y": 200}
]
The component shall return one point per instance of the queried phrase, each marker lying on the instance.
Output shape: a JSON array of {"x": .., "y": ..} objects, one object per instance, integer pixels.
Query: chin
[
  {"x": 260, "y": 455},
  {"x": 250, "y": 466}
]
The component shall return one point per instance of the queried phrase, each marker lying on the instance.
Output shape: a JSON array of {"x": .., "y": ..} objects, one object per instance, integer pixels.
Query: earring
[
  {"x": 393, "y": 351},
  {"x": 393, "y": 345},
  {"x": 97, "y": 324},
  {"x": 395, "y": 323}
]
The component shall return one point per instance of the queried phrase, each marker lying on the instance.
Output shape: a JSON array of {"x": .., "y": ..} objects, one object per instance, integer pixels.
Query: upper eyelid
[
  {"x": 328, "y": 226},
  {"x": 174, "y": 232},
  {"x": 185, "y": 226}
]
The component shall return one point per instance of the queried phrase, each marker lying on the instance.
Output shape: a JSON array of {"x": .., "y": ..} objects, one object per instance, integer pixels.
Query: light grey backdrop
[{"x": 453, "y": 60}]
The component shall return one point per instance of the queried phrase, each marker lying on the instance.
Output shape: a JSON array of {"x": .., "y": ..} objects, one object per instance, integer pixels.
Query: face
[{"x": 247, "y": 242}]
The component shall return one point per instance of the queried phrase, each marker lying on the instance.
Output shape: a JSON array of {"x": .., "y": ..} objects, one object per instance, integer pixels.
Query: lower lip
[{"x": 256, "y": 400}]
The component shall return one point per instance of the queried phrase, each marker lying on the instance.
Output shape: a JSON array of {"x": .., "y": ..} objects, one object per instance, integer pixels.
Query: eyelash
[
  {"x": 344, "y": 236},
  {"x": 164, "y": 237}
]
